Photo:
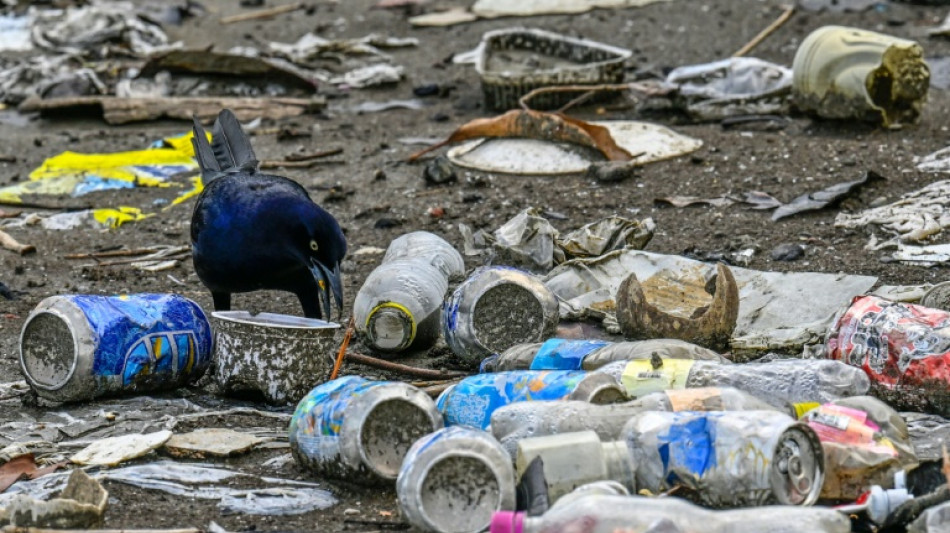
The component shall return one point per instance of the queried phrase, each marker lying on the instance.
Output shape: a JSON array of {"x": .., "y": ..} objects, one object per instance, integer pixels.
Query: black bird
[{"x": 253, "y": 231}]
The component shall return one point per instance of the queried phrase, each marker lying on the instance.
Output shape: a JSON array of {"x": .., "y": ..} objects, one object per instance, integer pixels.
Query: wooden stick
[
  {"x": 757, "y": 40},
  {"x": 299, "y": 164},
  {"x": 435, "y": 390},
  {"x": 610, "y": 87},
  {"x": 11, "y": 244},
  {"x": 39, "y": 205},
  {"x": 315, "y": 155},
  {"x": 113, "y": 253},
  {"x": 263, "y": 13},
  {"x": 346, "y": 342},
  {"x": 424, "y": 373}
]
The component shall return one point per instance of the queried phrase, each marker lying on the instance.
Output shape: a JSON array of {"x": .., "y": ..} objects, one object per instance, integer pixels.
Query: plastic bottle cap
[{"x": 507, "y": 522}]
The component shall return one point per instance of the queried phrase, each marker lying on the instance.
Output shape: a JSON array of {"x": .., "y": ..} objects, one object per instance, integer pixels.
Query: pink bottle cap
[{"x": 507, "y": 522}]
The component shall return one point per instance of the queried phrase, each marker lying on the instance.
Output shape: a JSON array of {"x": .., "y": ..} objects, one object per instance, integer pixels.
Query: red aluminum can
[{"x": 903, "y": 348}]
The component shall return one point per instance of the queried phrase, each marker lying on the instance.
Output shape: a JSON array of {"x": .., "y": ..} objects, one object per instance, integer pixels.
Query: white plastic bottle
[
  {"x": 399, "y": 305},
  {"x": 611, "y": 514}
]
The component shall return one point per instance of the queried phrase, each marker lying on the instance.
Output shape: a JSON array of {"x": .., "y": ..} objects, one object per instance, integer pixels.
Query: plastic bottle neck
[{"x": 619, "y": 463}]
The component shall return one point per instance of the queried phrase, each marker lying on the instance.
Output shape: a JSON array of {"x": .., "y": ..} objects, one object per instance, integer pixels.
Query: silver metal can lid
[
  {"x": 798, "y": 466},
  {"x": 48, "y": 350}
]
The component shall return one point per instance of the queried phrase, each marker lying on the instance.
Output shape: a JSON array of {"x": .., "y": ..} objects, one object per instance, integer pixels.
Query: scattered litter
[
  {"x": 449, "y": 17},
  {"x": 528, "y": 8},
  {"x": 938, "y": 161},
  {"x": 203, "y": 442},
  {"x": 820, "y": 199},
  {"x": 943, "y": 30},
  {"x": 263, "y": 13},
  {"x": 916, "y": 217},
  {"x": 114, "y": 450},
  {"x": 844, "y": 72},
  {"x": 15, "y": 33},
  {"x": 81, "y": 505},
  {"x": 376, "y": 107},
  {"x": 513, "y": 62},
  {"x": 370, "y": 76},
  {"x": 22, "y": 467},
  {"x": 647, "y": 142},
  {"x": 939, "y": 72},
  {"x": 777, "y": 311},
  {"x": 838, "y": 6},
  {"x": 731, "y": 87},
  {"x": 9, "y": 243}
]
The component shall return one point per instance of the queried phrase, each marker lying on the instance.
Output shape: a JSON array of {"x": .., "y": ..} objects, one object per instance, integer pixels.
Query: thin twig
[
  {"x": 113, "y": 253},
  {"x": 611, "y": 87},
  {"x": 8, "y": 242},
  {"x": 40, "y": 205},
  {"x": 435, "y": 390},
  {"x": 263, "y": 13},
  {"x": 577, "y": 101},
  {"x": 424, "y": 373},
  {"x": 299, "y": 164},
  {"x": 342, "y": 355},
  {"x": 315, "y": 155},
  {"x": 757, "y": 40}
]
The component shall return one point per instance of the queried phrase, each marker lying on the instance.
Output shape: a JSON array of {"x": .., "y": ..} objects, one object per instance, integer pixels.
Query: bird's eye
[{"x": 314, "y": 246}]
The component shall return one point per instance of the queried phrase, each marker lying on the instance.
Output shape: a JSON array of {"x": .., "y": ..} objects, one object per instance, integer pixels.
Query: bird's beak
[{"x": 329, "y": 281}]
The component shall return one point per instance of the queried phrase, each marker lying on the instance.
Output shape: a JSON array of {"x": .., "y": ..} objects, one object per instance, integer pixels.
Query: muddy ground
[{"x": 383, "y": 197}]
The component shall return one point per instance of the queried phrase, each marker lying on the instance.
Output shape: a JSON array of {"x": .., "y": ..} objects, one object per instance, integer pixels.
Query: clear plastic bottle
[
  {"x": 360, "y": 430},
  {"x": 597, "y": 513},
  {"x": 399, "y": 305},
  {"x": 495, "y": 308},
  {"x": 515, "y": 422},
  {"x": 579, "y": 354},
  {"x": 452, "y": 481},
  {"x": 472, "y": 401},
  {"x": 779, "y": 383}
]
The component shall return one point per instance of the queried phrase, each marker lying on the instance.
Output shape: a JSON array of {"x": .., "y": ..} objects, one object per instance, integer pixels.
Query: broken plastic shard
[
  {"x": 777, "y": 311},
  {"x": 648, "y": 142},
  {"x": 732, "y": 87},
  {"x": 211, "y": 441},
  {"x": 114, "y": 450},
  {"x": 81, "y": 505}
]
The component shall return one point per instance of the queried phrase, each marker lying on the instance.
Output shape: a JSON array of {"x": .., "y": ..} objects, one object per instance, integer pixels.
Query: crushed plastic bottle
[
  {"x": 495, "y": 308},
  {"x": 571, "y": 354},
  {"x": 453, "y": 480},
  {"x": 518, "y": 421},
  {"x": 360, "y": 430},
  {"x": 400, "y": 302},
  {"x": 903, "y": 348},
  {"x": 597, "y": 513},
  {"x": 472, "y": 401},
  {"x": 779, "y": 383},
  {"x": 727, "y": 459}
]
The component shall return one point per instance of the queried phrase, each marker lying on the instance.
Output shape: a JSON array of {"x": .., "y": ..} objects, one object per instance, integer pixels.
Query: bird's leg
[{"x": 222, "y": 301}]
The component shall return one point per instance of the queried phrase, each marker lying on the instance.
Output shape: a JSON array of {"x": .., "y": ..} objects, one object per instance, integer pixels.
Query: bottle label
[
  {"x": 801, "y": 409},
  {"x": 850, "y": 427},
  {"x": 641, "y": 378},
  {"x": 702, "y": 399},
  {"x": 564, "y": 354}
]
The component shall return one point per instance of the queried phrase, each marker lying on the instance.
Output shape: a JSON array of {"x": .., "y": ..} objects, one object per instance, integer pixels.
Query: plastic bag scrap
[
  {"x": 928, "y": 433},
  {"x": 117, "y": 25},
  {"x": 777, "y": 311},
  {"x": 529, "y": 241},
  {"x": 865, "y": 443},
  {"x": 917, "y": 216},
  {"x": 730, "y": 87},
  {"x": 202, "y": 481},
  {"x": 81, "y": 505}
]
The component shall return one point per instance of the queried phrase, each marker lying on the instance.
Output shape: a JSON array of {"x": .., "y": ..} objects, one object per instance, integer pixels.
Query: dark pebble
[
  {"x": 788, "y": 252},
  {"x": 440, "y": 170}
]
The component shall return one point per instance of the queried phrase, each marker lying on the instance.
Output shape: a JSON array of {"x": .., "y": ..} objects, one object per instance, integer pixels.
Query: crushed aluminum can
[
  {"x": 360, "y": 430},
  {"x": 727, "y": 459},
  {"x": 79, "y": 347},
  {"x": 453, "y": 480},
  {"x": 277, "y": 357},
  {"x": 903, "y": 348},
  {"x": 496, "y": 308},
  {"x": 472, "y": 401}
]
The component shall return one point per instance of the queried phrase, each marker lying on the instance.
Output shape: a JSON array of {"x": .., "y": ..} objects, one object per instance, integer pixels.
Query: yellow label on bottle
[
  {"x": 641, "y": 378},
  {"x": 804, "y": 407}
]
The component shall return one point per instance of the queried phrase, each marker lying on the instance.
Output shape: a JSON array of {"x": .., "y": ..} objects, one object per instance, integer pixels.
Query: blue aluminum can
[
  {"x": 79, "y": 347},
  {"x": 472, "y": 401}
]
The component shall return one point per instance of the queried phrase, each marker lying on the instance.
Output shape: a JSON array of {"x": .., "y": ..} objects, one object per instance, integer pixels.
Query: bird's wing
[{"x": 203, "y": 153}]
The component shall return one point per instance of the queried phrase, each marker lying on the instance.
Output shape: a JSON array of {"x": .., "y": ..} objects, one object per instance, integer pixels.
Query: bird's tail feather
[
  {"x": 231, "y": 147},
  {"x": 203, "y": 153}
]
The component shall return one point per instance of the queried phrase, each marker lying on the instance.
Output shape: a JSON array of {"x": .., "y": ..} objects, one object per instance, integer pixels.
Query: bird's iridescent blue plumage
[{"x": 252, "y": 231}]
